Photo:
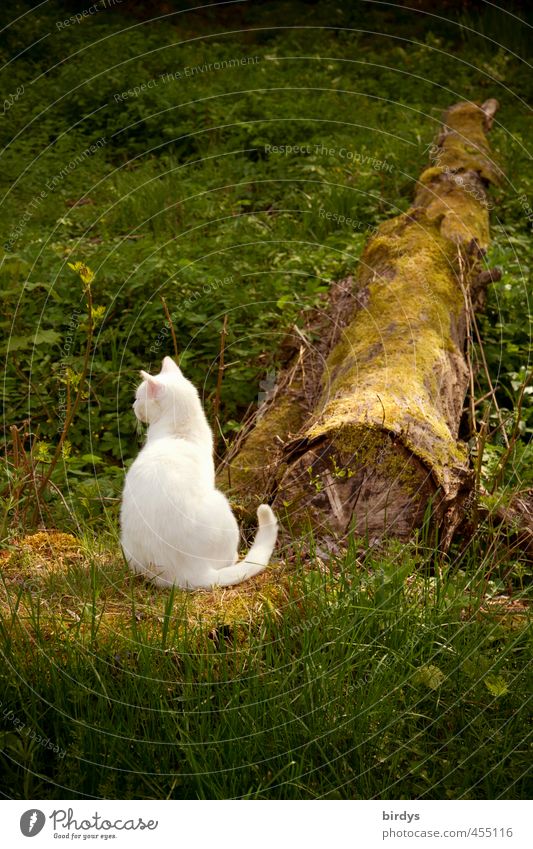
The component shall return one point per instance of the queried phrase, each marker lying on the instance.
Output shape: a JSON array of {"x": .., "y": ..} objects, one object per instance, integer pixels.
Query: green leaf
[
  {"x": 496, "y": 685},
  {"x": 46, "y": 337},
  {"x": 429, "y": 676},
  {"x": 22, "y": 343}
]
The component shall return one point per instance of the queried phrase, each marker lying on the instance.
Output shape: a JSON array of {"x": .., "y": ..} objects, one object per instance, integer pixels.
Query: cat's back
[{"x": 170, "y": 462}]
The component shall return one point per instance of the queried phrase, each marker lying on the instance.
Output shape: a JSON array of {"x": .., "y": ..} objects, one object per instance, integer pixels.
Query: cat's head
[{"x": 165, "y": 395}]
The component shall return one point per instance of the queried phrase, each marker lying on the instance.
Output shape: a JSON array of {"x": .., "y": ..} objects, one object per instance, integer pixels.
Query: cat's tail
[{"x": 259, "y": 554}]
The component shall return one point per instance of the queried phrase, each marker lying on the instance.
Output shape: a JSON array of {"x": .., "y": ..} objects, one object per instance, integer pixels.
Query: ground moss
[{"x": 48, "y": 578}]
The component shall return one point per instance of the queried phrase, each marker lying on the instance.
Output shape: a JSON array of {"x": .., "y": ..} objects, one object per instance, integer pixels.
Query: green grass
[
  {"x": 391, "y": 673},
  {"x": 364, "y": 681}
]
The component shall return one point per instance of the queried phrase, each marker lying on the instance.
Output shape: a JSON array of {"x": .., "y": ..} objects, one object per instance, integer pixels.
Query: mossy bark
[
  {"x": 252, "y": 470},
  {"x": 380, "y": 445}
]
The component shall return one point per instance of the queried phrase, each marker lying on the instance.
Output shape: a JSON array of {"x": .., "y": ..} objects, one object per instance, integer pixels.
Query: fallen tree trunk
[{"x": 362, "y": 432}]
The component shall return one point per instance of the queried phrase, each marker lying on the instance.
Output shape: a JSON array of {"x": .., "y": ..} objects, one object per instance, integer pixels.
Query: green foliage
[{"x": 185, "y": 193}]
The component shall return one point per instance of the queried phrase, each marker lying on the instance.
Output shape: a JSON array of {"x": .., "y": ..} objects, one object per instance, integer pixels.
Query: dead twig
[
  {"x": 468, "y": 313},
  {"x": 472, "y": 323},
  {"x": 220, "y": 376},
  {"x": 170, "y": 324},
  {"x": 69, "y": 418}
]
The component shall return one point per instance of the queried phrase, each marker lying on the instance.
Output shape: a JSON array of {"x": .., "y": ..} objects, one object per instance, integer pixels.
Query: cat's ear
[
  {"x": 168, "y": 366},
  {"x": 155, "y": 388}
]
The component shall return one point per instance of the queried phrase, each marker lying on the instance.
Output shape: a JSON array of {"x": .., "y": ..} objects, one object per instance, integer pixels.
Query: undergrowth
[
  {"x": 240, "y": 190},
  {"x": 238, "y": 193}
]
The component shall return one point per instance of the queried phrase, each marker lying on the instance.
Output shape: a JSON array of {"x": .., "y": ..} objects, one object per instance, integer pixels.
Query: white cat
[{"x": 176, "y": 527}]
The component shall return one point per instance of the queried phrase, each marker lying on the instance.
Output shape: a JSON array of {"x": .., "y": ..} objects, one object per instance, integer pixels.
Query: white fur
[{"x": 176, "y": 527}]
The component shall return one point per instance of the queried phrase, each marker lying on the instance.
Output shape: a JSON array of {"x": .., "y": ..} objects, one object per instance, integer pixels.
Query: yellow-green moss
[
  {"x": 384, "y": 373},
  {"x": 466, "y": 146},
  {"x": 259, "y": 460},
  {"x": 461, "y": 213},
  {"x": 461, "y": 209},
  {"x": 456, "y": 156},
  {"x": 55, "y": 568},
  {"x": 369, "y": 448},
  {"x": 416, "y": 305},
  {"x": 431, "y": 173},
  {"x": 465, "y": 218}
]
